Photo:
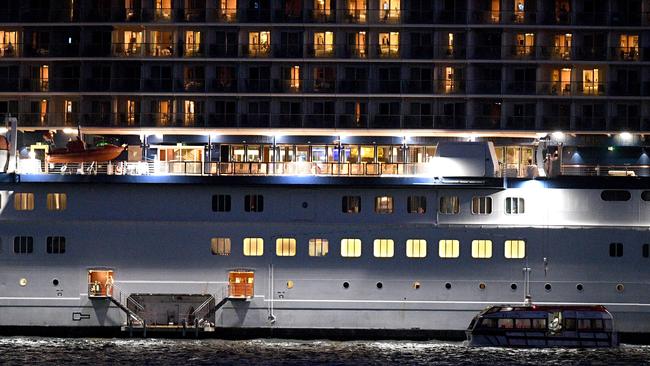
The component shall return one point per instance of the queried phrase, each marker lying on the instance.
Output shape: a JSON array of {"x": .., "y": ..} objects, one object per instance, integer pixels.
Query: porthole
[
  {"x": 380, "y": 285},
  {"x": 547, "y": 287},
  {"x": 416, "y": 285},
  {"x": 579, "y": 287},
  {"x": 481, "y": 286},
  {"x": 55, "y": 282},
  {"x": 620, "y": 287},
  {"x": 448, "y": 286},
  {"x": 289, "y": 284},
  {"x": 305, "y": 205},
  {"x": 22, "y": 282},
  {"x": 346, "y": 285},
  {"x": 513, "y": 286}
]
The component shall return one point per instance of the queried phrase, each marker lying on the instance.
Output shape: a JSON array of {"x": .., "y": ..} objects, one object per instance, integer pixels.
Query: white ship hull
[{"x": 156, "y": 239}]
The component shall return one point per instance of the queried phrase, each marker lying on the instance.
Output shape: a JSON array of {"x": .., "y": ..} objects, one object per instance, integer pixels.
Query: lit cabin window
[
  {"x": 9, "y": 43},
  {"x": 253, "y": 247},
  {"x": 221, "y": 203},
  {"x": 57, "y": 201},
  {"x": 351, "y": 248},
  {"x": 481, "y": 205},
  {"x": 254, "y": 203},
  {"x": 351, "y": 204},
  {"x": 192, "y": 43},
  {"x": 228, "y": 10},
  {"x": 318, "y": 247},
  {"x": 23, "y": 201},
  {"x": 520, "y": 11},
  {"x": 615, "y": 195},
  {"x": 616, "y": 249},
  {"x": 323, "y": 44},
  {"x": 259, "y": 43},
  {"x": 562, "y": 45},
  {"x": 645, "y": 250},
  {"x": 515, "y": 249},
  {"x": 384, "y": 204},
  {"x": 55, "y": 244},
  {"x": 590, "y": 81},
  {"x": 416, "y": 204},
  {"x": 416, "y": 248},
  {"x": 449, "y": 205},
  {"x": 383, "y": 248},
  {"x": 448, "y": 248},
  {"x": 220, "y": 246},
  {"x": 389, "y": 44},
  {"x": 481, "y": 248},
  {"x": 357, "y": 11},
  {"x": 285, "y": 247},
  {"x": 561, "y": 81},
  {"x": 389, "y": 10},
  {"x": 23, "y": 244},
  {"x": 514, "y": 205},
  {"x": 525, "y": 44},
  {"x": 629, "y": 46}
]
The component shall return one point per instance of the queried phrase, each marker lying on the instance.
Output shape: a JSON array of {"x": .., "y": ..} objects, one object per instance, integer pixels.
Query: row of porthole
[{"x": 482, "y": 286}]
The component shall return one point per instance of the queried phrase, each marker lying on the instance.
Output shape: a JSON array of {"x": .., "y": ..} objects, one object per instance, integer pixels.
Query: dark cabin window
[
  {"x": 254, "y": 203},
  {"x": 616, "y": 249},
  {"x": 221, "y": 203},
  {"x": 615, "y": 195}
]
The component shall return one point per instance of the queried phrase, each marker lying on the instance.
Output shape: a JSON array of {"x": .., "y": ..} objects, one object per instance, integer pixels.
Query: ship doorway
[
  {"x": 241, "y": 284},
  {"x": 100, "y": 282}
]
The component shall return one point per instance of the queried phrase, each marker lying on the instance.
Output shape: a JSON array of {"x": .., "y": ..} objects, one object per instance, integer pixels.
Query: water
[{"x": 92, "y": 351}]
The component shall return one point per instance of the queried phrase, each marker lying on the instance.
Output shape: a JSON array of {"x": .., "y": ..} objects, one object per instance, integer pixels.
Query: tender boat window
[
  {"x": 220, "y": 246},
  {"x": 448, "y": 248},
  {"x": 481, "y": 248},
  {"x": 515, "y": 249},
  {"x": 285, "y": 247},
  {"x": 351, "y": 204},
  {"x": 489, "y": 323},
  {"x": 416, "y": 248},
  {"x": 645, "y": 250},
  {"x": 416, "y": 204},
  {"x": 481, "y": 205},
  {"x": 615, "y": 195},
  {"x": 645, "y": 195},
  {"x": 616, "y": 249},
  {"x": 384, "y": 248},
  {"x": 506, "y": 323},
  {"x": 514, "y": 205},
  {"x": 23, "y": 201},
  {"x": 539, "y": 323},
  {"x": 253, "y": 247},
  {"x": 522, "y": 323},
  {"x": 351, "y": 248},
  {"x": 254, "y": 203},
  {"x": 23, "y": 244},
  {"x": 221, "y": 203},
  {"x": 57, "y": 201},
  {"x": 383, "y": 204},
  {"x": 55, "y": 244},
  {"x": 318, "y": 247},
  {"x": 449, "y": 205}
]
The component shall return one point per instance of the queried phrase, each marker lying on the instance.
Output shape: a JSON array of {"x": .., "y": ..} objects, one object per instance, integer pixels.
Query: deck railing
[{"x": 198, "y": 168}]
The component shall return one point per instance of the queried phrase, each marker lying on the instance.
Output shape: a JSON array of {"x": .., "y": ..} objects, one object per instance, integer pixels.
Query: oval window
[
  {"x": 615, "y": 195},
  {"x": 645, "y": 195}
]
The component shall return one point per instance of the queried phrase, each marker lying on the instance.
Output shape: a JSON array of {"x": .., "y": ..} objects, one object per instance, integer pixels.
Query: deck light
[
  {"x": 69, "y": 131},
  {"x": 3, "y": 130},
  {"x": 626, "y": 136},
  {"x": 558, "y": 135}
]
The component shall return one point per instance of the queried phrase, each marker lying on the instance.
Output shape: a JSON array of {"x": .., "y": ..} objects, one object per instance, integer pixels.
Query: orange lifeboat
[{"x": 76, "y": 152}]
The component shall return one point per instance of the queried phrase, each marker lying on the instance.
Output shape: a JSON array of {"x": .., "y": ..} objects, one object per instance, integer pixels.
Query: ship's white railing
[{"x": 198, "y": 168}]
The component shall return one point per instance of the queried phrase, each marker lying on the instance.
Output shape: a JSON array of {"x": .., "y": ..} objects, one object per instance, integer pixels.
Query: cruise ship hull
[{"x": 155, "y": 238}]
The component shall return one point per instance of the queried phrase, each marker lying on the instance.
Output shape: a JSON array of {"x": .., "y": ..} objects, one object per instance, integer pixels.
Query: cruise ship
[{"x": 356, "y": 168}]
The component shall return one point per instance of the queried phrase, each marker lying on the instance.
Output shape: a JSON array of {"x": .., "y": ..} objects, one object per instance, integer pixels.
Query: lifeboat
[
  {"x": 534, "y": 326},
  {"x": 76, "y": 152}
]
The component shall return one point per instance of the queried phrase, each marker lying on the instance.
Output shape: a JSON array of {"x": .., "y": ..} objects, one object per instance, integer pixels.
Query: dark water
[{"x": 54, "y": 351}]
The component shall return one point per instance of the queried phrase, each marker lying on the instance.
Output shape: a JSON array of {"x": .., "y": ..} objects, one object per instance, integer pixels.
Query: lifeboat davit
[{"x": 76, "y": 152}]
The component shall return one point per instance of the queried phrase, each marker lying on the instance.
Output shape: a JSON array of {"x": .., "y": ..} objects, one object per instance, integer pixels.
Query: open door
[
  {"x": 241, "y": 284},
  {"x": 100, "y": 283}
]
